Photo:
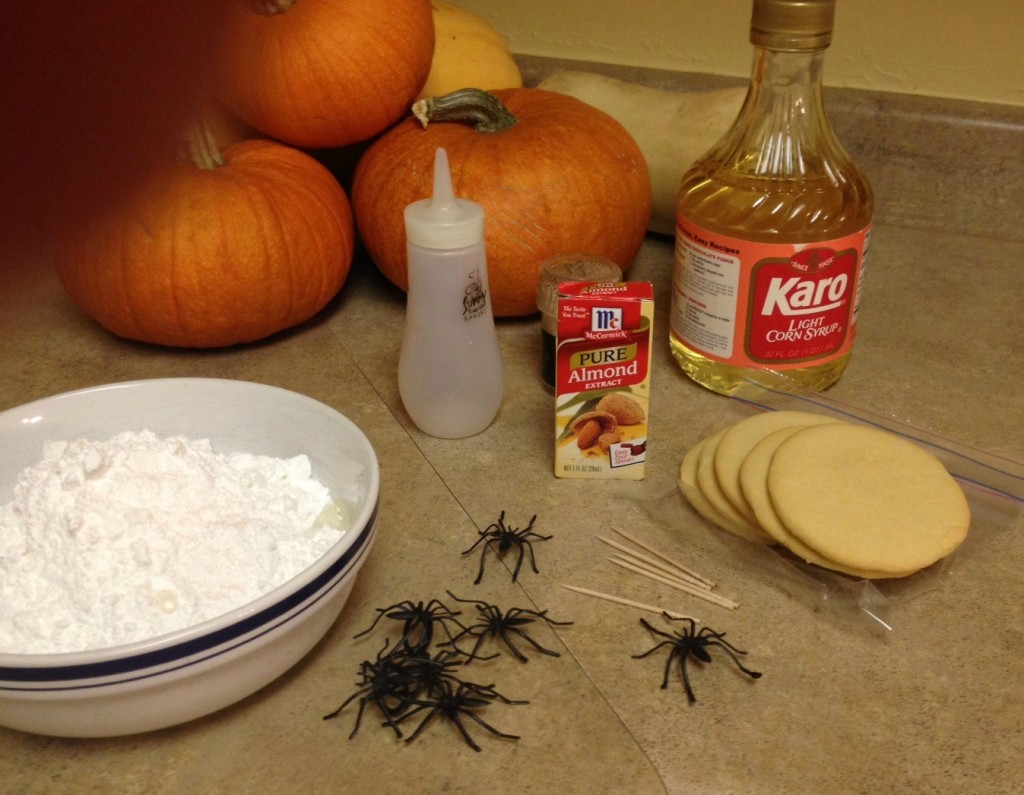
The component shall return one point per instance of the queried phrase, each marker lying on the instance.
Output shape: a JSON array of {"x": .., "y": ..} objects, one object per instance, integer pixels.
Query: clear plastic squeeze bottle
[
  {"x": 450, "y": 373},
  {"x": 773, "y": 223}
]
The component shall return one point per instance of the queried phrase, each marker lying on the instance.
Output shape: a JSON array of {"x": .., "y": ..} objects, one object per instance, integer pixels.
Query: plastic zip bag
[{"x": 993, "y": 485}]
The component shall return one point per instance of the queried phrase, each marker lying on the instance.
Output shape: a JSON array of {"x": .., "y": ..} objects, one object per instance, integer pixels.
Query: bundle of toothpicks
[{"x": 660, "y": 568}]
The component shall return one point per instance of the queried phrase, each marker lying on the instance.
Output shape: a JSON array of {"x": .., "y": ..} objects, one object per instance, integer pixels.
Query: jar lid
[
  {"x": 792, "y": 24},
  {"x": 571, "y": 268}
]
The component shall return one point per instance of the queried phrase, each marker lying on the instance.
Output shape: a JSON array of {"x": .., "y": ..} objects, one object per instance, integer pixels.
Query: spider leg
[
  {"x": 519, "y": 562},
  {"x": 656, "y": 631},
  {"x": 359, "y": 717},
  {"x": 483, "y": 723},
  {"x": 423, "y": 724},
  {"x": 381, "y": 612},
  {"x": 359, "y": 713},
  {"x": 476, "y": 647},
  {"x": 533, "y": 559},
  {"x": 451, "y": 638},
  {"x": 483, "y": 556},
  {"x": 418, "y": 629},
  {"x": 490, "y": 692},
  {"x": 719, "y": 640},
  {"x": 483, "y": 537},
  {"x": 732, "y": 653},
  {"x": 480, "y": 631},
  {"x": 692, "y": 631},
  {"x": 652, "y": 650},
  {"x": 462, "y": 730},
  {"x": 686, "y": 676},
  {"x": 525, "y": 636},
  {"x": 480, "y": 604},
  {"x": 708, "y": 635},
  {"x": 389, "y": 720},
  {"x": 346, "y": 702},
  {"x": 668, "y": 666},
  {"x": 515, "y": 616},
  {"x": 503, "y": 633}
]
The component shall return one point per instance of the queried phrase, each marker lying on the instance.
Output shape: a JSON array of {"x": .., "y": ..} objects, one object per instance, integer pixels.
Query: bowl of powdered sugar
[{"x": 170, "y": 546}]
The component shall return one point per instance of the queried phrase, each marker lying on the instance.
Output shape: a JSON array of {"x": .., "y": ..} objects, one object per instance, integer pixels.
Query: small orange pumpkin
[
  {"x": 554, "y": 176},
  {"x": 249, "y": 244},
  {"x": 325, "y": 73}
]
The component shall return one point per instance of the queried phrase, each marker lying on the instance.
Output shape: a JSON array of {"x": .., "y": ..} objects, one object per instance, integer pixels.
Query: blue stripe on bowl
[{"x": 138, "y": 663}]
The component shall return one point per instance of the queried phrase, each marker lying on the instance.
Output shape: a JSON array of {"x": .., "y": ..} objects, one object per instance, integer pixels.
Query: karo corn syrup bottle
[{"x": 773, "y": 223}]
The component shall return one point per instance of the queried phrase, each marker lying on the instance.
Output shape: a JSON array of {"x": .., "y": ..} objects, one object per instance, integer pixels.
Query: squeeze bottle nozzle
[{"x": 443, "y": 221}]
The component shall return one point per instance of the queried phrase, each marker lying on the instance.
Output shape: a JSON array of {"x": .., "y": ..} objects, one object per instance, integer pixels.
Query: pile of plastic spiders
[{"x": 420, "y": 676}]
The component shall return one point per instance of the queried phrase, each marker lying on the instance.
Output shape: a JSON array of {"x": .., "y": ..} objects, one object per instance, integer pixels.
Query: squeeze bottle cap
[{"x": 443, "y": 221}]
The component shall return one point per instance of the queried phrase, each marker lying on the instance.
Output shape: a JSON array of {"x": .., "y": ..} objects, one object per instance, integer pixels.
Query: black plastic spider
[
  {"x": 418, "y": 622},
  {"x": 431, "y": 672},
  {"x": 506, "y": 538},
  {"x": 390, "y": 682},
  {"x": 503, "y": 625},
  {"x": 454, "y": 700},
  {"x": 690, "y": 641}
]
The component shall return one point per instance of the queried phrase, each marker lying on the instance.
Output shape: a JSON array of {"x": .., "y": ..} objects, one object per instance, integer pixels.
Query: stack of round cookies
[{"x": 844, "y": 496}]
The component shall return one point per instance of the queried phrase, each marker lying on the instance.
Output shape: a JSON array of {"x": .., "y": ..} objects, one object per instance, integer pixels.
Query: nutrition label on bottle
[
  {"x": 704, "y": 309},
  {"x": 749, "y": 304}
]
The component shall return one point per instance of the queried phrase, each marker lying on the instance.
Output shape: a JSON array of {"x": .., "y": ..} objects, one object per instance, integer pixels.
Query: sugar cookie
[
  {"x": 700, "y": 503},
  {"x": 738, "y": 440},
  {"x": 866, "y": 499},
  {"x": 754, "y": 482},
  {"x": 708, "y": 484}
]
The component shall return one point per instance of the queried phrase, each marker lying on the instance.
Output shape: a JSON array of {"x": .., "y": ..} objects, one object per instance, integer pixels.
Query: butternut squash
[{"x": 672, "y": 129}]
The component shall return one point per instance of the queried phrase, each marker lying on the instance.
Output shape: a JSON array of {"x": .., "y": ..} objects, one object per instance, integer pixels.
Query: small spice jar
[{"x": 556, "y": 271}]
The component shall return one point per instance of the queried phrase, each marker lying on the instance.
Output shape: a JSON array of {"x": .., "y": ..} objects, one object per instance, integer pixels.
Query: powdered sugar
[{"x": 105, "y": 543}]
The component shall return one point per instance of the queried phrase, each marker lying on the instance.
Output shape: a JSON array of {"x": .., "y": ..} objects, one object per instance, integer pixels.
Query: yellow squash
[{"x": 468, "y": 53}]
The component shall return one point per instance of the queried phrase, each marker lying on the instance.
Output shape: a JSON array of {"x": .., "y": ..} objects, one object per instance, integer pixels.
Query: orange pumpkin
[
  {"x": 326, "y": 73},
  {"x": 557, "y": 176},
  {"x": 247, "y": 245}
]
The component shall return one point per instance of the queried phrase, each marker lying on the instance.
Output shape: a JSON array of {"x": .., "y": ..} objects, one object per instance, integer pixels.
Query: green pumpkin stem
[
  {"x": 201, "y": 148},
  {"x": 483, "y": 110}
]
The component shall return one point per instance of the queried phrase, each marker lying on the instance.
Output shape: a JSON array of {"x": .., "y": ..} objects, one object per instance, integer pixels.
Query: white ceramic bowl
[{"x": 183, "y": 675}]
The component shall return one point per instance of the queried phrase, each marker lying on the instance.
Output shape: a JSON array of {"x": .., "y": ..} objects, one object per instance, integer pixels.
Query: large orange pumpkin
[
  {"x": 558, "y": 176},
  {"x": 206, "y": 257},
  {"x": 326, "y": 73}
]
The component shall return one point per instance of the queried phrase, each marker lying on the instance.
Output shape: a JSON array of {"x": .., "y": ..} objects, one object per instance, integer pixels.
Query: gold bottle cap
[
  {"x": 792, "y": 24},
  {"x": 569, "y": 268}
]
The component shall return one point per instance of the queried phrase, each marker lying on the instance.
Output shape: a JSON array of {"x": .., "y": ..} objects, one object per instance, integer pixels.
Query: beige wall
[{"x": 945, "y": 48}]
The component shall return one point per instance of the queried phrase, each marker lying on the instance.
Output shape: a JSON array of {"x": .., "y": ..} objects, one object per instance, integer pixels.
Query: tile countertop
[{"x": 935, "y": 705}]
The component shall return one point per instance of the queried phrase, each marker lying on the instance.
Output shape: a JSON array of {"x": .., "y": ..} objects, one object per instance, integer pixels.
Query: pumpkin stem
[
  {"x": 485, "y": 111},
  {"x": 201, "y": 149},
  {"x": 270, "y": 7}
]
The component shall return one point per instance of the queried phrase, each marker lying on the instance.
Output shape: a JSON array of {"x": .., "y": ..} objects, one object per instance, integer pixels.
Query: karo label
[
  {"x": 749, "y": 304},
  {"x": 800, "y": 307}
]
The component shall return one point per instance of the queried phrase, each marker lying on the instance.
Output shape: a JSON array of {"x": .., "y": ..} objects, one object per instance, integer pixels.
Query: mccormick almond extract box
[{"x": 603, "y": 379}]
